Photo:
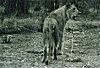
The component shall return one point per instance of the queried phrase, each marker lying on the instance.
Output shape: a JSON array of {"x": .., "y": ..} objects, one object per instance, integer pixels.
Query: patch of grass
[
  {"x": 90, "y": 24},
  {"x": 80, "y": 25},
  {"x": 74, "y": 59}
]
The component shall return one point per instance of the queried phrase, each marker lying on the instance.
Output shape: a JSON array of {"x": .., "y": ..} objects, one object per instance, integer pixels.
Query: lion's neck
[
  {"x": 60, "y": 11},
  {"x": 59, "y": 15}
]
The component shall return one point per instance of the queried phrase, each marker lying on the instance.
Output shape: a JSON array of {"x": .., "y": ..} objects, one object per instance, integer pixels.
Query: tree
[
  {"x": 13, "y": 6},
  {"x": 10, "y": 6},
  {"x": 22, "y": 6},
  {"x": 2, "y": 2},
  {"x": 51, "y": 4}
]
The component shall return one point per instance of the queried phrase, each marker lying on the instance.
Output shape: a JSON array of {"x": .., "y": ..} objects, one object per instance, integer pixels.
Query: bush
[
  {"x": 37, "y": 8},
  {"x": 27, "y": 24},
  {"x": 11, "y": 25},
  {"x": 39, "y": 23},
  {"x": 2, "y": 10}
]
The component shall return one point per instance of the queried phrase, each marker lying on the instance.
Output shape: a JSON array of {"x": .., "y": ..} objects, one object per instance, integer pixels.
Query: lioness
[{"x": 53, "y": 30}]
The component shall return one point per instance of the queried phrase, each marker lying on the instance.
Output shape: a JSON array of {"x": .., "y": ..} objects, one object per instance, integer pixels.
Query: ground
[{"x": 25, "y": 51}]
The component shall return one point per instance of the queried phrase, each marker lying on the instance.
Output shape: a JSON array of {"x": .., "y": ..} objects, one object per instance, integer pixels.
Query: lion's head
[{"x": 71, "y": 11}]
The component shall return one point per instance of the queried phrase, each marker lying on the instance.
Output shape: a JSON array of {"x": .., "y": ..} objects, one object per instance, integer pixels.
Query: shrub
[
  {"x": 39, "y": 23},
  {"x": 37, "y": 8}
]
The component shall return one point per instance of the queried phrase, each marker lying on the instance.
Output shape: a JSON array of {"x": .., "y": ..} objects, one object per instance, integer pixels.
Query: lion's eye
[{"x": 73, "y": 8}]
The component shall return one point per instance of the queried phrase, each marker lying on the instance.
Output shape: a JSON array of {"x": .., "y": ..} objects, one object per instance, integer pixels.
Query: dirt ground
[{"x": 26, "y": 49}]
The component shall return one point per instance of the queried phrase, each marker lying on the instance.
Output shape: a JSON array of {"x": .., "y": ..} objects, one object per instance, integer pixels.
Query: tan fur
[{"x": 53, "y": 31}]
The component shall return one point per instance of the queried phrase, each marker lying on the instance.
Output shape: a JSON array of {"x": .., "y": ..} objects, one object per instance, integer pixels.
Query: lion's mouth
[{"x": 74, "y": 17}]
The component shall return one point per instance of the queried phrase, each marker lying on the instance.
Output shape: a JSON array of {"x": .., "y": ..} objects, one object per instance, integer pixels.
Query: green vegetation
[{"x": 23, "y": 19}]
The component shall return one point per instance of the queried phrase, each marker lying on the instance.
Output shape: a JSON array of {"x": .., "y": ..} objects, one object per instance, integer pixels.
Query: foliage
[
  {"x": 37, "y": 8},
  {"x": 11, "y": 25},
  {"x": 2, "y": 2},
  {"x": 22, "y": 6},
  {"x": 16, "y": 6}
]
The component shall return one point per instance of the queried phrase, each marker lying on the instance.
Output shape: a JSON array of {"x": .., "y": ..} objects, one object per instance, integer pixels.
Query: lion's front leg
[
  {"x": 55, "y": 50},
  {"x": 56, "y": 39},
  {"x": 59, "y": 47}
]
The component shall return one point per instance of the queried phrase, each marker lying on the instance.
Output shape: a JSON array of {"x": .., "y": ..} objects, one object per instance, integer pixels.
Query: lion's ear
[{"x": 68, "y": 5}]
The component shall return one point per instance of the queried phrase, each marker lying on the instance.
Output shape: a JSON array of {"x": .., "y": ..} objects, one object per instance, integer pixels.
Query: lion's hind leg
[{"x": 50, "y": 40}]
